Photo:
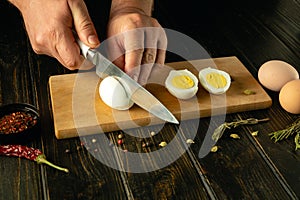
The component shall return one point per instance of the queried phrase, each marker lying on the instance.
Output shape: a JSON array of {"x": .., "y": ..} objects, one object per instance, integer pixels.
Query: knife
[{"x": 139, "y": 95}]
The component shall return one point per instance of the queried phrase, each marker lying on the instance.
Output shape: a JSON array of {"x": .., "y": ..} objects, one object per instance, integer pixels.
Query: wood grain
[
  {"x": 249, "y": 168},
  {"x": 77, "y": 107}
]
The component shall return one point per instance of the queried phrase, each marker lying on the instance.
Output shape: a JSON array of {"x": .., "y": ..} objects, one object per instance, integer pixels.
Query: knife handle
[{"x": 86, "y": 51}]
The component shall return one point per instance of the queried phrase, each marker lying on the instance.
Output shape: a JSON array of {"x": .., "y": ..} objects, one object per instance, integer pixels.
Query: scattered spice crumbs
[
  {"x": 255, "y": 133},
  {"x": 214, "y": 149},
  {"x": 235, "y": 136},
  {"x": 190, "y": 141},
  {"x": 249, "y": 92},
  {"x": 163, "y": 144}
]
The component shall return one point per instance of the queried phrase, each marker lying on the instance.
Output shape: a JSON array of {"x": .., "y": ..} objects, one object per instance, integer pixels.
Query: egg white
[
  {"x": 211, "y": 89},
  {"x": 113, "y": 94},
  {"x": 181, "y": 93}
]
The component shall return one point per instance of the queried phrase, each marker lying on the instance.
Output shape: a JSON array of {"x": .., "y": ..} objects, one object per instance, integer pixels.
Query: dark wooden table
[{"x": 248, "y": 168}]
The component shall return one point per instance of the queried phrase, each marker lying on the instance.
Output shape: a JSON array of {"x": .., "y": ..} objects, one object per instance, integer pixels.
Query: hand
[
  {"x": 49, "y": 26},
  {"x": 138, "y": 44}
]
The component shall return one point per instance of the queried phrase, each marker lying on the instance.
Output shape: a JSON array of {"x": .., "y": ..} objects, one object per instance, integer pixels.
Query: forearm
[{"x": 142, "y": 6}]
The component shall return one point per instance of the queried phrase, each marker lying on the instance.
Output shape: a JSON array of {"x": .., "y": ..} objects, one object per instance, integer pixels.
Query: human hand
[
  {"x": 138, "y": 43},
  {"x": 49, "y": 25}
]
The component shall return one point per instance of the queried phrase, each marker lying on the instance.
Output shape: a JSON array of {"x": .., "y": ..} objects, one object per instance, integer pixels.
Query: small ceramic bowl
[{"x": 19, "y": 123}]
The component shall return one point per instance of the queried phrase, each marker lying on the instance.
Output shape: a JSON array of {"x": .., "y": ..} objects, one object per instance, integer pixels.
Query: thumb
[{"x": 83, "y": 24}]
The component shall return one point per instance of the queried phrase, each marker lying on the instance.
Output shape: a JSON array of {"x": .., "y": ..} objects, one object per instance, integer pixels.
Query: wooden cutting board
[{"x": 78, "y": 109}]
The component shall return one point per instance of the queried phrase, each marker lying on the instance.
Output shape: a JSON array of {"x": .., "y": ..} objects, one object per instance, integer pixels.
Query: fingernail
[{"x": 93, "y": 39}]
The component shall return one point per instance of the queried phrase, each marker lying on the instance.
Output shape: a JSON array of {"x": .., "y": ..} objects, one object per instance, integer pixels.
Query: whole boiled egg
[
  {"x": 182, "y": 84},
  {"x": 114, "y": 94},
  {"x": 289, "y": 96},
  {"x": 215, "y": 81},
  {"x": 274, "y": 74}
]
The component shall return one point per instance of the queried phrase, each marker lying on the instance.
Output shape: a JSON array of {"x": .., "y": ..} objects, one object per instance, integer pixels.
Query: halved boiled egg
[
  {"x": 114, "y": 94},
  {"x": 215, "y": 81},
  {"x": 182, "y": 84}
]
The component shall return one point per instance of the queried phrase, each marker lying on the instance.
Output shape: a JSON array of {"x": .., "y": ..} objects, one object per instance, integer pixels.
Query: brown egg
[
  {"x": 274, "y": 74},
  {"x": 289, "y": 97}
]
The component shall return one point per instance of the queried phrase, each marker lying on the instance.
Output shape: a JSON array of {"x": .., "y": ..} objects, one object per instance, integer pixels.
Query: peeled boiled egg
[
  {"x": 274, "y": 74},
  {"x": 289, "y": 96},
  {"x": 182, "y": 84},
  {"x": 113, "y": 94},
  {"x": 215, "y": 81}
]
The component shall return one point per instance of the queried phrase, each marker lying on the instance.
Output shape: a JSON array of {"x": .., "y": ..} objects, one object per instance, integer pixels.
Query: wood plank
[
  {"x": 237, "y": 170},
  {"x": 19, "y": 177},
  {"x": 76, "y": 104},
  {"x": 88, "y": 178},
  {"x": 253, "y": 24},
  {"x": 148, "y": 170}
]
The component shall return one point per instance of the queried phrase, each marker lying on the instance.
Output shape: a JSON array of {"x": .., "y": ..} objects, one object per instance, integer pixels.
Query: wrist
[{"x": 143, "y": 7}]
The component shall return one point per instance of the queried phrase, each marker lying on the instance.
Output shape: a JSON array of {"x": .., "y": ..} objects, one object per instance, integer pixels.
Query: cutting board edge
[{"x": 72, "y": 133}]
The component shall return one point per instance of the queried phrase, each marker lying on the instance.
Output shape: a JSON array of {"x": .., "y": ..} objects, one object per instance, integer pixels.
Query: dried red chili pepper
[{"x": 29, "y": 153}]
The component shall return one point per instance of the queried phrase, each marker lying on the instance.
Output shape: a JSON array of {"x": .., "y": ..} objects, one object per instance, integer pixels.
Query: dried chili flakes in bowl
[{"x": 18, "y": 123}]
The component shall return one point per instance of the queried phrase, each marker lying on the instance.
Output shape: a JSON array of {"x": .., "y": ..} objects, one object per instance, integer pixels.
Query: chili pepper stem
[{"x": 42, "y": 159}]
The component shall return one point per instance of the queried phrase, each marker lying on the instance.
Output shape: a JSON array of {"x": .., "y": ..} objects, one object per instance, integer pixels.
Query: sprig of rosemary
[
  {"x": 297, "y": 141},
  {"x": 292, "y": 129},
  {"x": 228, "y": 125}
]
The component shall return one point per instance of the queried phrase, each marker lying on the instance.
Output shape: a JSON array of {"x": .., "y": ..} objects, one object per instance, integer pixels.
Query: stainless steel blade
[
  {"x": 137, "y": 93},
  {"x": 147, "y": 101}
]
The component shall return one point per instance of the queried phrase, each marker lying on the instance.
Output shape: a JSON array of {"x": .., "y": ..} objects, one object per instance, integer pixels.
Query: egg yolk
[
  {"x": 182, "y": 82},
  {"x": 216, "y": 80}
]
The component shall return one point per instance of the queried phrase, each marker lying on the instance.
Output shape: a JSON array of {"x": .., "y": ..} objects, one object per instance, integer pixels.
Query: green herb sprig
[
  {"x": 292, "y": 129},
  {"x": 228, "y": 125}
]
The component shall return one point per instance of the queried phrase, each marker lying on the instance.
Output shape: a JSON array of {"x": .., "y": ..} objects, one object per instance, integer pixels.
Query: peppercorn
[
  {"x": 120, "y": 141},
  {"x": 143, "y": 144},
  {"x": 67, "y": 151},
  {"x": 148, "y": 143},
  {"x": 120, "y": 136},
  {"x": 152, "y": 133}
]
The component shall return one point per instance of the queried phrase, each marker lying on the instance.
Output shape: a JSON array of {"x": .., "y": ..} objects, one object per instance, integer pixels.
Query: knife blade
[{"x": 138, "y": 94}]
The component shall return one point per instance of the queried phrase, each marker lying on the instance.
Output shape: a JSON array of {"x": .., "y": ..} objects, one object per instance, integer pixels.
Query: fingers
[
  {"x": 83, "y": 23},
  {"x": 161, "y": 47},
  {"x": 67, "y": 52},
  {"x": 161, "y": 56},
  {"x": 148, "y": 60},
  {"x": 142, "y": 54},
  {"x": 67, "y": 48},
  {"x": 49, "y": 25},
  {"x": 132, "y": 63}
]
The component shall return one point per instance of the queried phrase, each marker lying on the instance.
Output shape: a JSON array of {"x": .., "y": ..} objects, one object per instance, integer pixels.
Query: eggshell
[
  {"x": 274, "y": 74},
  {"x": 289, "y": 97},
  {"x": 114, "y": 94}
]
